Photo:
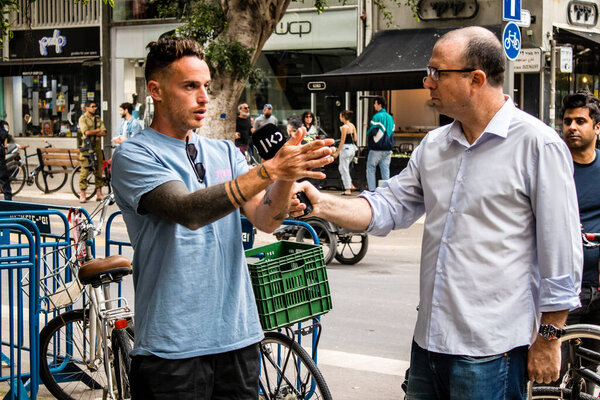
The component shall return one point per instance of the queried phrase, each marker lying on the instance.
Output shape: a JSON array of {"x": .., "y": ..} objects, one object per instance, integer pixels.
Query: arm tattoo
[
  {"x": 173, "y": 202},
  {"x": 239, "y": 190},
  {"x": 267, "y": 199},
  {"x": 262, "y": 172},
  {"x": 230, "y": 193}
]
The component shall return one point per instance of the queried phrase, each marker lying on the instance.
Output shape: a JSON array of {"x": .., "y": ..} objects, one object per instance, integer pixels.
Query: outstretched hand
[{"x": 295, "y": 160}]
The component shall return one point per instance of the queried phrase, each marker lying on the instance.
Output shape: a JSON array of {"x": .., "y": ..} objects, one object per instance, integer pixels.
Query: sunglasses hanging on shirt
[{"x": 192, "y": 153}]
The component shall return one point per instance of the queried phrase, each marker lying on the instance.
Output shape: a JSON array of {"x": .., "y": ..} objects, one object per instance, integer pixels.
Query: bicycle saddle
[{"x": 103, "y": 270}]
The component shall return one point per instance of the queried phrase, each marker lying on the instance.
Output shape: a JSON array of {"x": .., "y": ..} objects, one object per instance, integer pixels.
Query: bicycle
[
  {"x": 84, "y": 352},
  {"x": 346, "y": 246},
  {"x": 581, "y": 371},
  {"x": 290, "y": 285},
  {"x": 91, "y": 177},
  {"x": 48, "y": 179}
]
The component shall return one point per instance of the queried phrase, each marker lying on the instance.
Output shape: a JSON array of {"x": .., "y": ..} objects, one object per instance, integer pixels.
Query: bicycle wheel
[
  {"x": 351, "y": 248},
  {"x": 17, "y": 179},
  {"x": 51, "y": 178},
  {"x": 551, "y": 392},
  {"x": 65, "y": 364},
  {"x": 580, "y": 356},
  {"x": 288, "y": 372},
  {"x": 91, "y": 183},
  {"x": 122, "y": 344},
  {"x": 327, "y": 240}
]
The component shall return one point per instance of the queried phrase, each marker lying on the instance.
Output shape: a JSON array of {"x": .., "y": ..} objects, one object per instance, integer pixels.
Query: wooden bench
[{"x": 54, "y": 156}]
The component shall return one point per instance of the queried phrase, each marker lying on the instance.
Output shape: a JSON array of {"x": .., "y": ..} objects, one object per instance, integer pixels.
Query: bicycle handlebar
[{"x": 590, "y": 240}]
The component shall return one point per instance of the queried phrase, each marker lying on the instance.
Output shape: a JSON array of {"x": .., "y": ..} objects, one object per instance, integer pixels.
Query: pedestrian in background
[
  {"x": 89, "y": 138},
  {"x": 381, "y": 143},
  {"x": 4, "y": 177},
  {"x": 309, "y": 122},
  {"x": 243, "y": 130},
  {"x": 181, "y": 195},
  {"x": 130, "y": 126},
  {"x": 267, "y": 117},
  {"x": 501, "y": 250},
  {"x": 581, "y": 126},
  {"x": 346, "y": 150}
]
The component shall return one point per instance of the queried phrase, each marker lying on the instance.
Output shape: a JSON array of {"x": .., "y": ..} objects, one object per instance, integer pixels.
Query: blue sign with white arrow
[
  {"x": 511, "y": 40},
  {"x": 511, "y": 11}
]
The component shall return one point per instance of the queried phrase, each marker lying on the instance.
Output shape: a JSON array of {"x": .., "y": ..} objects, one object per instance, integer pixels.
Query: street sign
[
  {"x": 566, "y": 59},
  {"x": 320, "y": 85},
  {"x": 529, "y": 60},
  {"x": 511, "y": 39},
  {"x": 511, "y": 10},
  {"x": 525, "y": 21}
]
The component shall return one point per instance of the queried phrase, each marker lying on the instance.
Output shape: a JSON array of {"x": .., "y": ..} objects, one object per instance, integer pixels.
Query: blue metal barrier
[
  {"x": 30, "y": 249},
  {"x": 17, "y": 259}
]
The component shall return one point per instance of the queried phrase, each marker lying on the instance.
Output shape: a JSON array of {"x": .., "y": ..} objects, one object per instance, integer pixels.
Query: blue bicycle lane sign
[{"x": 511, "y": 40}]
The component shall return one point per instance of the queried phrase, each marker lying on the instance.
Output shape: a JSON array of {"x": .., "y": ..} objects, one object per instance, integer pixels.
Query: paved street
[{"x": 366, "y": 339}]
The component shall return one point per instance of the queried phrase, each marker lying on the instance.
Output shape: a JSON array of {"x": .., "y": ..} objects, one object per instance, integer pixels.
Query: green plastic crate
[{"x": 289, "y": 281}]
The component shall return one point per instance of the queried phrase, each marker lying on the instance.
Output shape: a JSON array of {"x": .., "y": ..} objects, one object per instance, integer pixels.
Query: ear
[
  {"x": 597, "y": 129},
  {"x": 478, "y": 78},
  {"x": 154, "y": 90}
]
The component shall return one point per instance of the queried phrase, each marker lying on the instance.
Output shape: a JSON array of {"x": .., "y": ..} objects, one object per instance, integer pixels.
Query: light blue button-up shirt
[{"x": 501, "y": 240}]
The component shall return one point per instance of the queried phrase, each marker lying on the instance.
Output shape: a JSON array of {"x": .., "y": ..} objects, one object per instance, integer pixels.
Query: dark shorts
[{"x": 232, "y": 376}]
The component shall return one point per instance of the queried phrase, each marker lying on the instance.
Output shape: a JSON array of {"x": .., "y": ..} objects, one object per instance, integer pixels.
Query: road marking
[{"x": 361, "y": 362}]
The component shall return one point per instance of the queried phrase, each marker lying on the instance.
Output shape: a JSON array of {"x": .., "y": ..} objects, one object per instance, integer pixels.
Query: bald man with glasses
[{"x": 501, "y": 251}]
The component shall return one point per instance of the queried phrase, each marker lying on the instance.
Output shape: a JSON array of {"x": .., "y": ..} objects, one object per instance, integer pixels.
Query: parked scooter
[{"x": 346, "y": 246}]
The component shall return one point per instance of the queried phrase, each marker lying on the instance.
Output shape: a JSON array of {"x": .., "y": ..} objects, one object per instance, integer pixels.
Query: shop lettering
[
  {"x": 294, "y": 28},
  {"x": 57, "y": 40}
]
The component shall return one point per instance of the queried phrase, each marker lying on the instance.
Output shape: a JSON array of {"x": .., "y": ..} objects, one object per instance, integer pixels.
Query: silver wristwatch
[{"x": 550, "y": 332}]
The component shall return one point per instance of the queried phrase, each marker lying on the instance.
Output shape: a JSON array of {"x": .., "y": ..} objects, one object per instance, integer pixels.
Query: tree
[{"x": 234, "y": 33}]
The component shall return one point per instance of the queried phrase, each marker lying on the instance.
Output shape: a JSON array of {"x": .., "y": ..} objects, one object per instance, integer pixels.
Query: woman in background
[
  {"x": 308, "y": 121},
  {"x": 346, "y": 150}
]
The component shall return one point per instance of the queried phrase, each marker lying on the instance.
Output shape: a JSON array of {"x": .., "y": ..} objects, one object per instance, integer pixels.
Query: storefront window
[
  {"x": 148, "y": 9},
  {"x": 53, "y": 101},
  {"x": 284, "y": 89}
]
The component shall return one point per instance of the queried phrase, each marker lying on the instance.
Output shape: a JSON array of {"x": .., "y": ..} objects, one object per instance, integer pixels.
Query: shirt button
[
  {"x": 444, "y": 240},
  {"x": 460, "y": 179},
  {"x": 452, "y": 210},
  {"x": 440, "y": 270},
  {"x": 468, "y": 150},
  {"x": 435, "y": 303}
]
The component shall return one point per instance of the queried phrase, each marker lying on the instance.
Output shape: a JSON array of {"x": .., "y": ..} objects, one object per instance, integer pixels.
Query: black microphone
[{"x": 267, "y": 140}]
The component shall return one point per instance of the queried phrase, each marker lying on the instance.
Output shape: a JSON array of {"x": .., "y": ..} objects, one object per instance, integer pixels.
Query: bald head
[{"x": 481, "y": 50}]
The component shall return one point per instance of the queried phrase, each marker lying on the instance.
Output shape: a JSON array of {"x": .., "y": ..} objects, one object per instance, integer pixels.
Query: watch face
[{"x": 548, "y": 331}]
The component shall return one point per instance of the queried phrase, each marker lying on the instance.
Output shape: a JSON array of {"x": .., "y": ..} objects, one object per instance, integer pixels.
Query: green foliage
[
  {"x": 7, "y": 7},
  {"x": 204, "y": 21}
]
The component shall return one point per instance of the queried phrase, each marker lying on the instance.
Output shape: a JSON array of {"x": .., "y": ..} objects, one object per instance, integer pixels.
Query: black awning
[
  {"x": 577, "y": 37},
  {"x": 394, "y": 59}
]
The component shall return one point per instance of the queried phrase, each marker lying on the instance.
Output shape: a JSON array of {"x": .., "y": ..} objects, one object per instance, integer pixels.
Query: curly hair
[{"x": 582, "y": 99}]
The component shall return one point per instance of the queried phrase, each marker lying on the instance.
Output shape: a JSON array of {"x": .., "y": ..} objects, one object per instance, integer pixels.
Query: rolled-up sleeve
[
  {"x": 558, "y": 234},
  {"x": 398, "y": 203}
]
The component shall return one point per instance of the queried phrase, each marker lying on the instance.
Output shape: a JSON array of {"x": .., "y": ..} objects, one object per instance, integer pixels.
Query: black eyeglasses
[
  {"x": 192, "y": 152},
  {"x": 434, "y": 73}
]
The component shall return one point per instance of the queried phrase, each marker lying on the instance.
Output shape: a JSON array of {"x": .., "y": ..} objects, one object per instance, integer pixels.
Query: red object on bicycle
[
  {"x": 121, "y": 324},
  {"x": 593, "y": 237}
]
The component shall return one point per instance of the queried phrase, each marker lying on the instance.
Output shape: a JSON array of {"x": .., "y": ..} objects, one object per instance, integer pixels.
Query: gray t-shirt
[
  {"x": 192, "y": 290},
  {"x": 260, "y": 121}
]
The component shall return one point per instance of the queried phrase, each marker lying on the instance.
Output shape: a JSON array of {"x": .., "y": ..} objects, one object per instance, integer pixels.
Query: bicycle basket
[
  {"x": 59, "y": 286},
  {"x": 290, "y": 283}
]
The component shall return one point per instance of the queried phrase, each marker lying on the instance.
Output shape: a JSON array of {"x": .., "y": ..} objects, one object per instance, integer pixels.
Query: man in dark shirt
[
  {"x": 4, "y": 178},
  {"x": 581, "y": 126},
  {"x": 243, "y": 129}
]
